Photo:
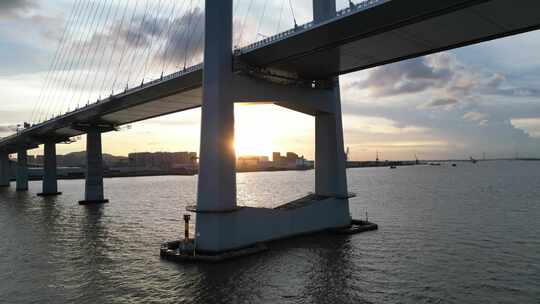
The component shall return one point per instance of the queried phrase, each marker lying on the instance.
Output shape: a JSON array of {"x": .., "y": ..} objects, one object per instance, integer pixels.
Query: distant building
[
  {"x": 163, "y": 160},
  {"x": 291, "y": 160},
  {"x": 253, "y": 162},
  {"x": 292, "y": 156},
  {"x": 276, "y": 157}
]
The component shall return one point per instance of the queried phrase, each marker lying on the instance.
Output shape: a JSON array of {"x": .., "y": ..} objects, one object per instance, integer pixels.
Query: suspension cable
[
  {"x": 170, "y": 20},
  {"x": 191, "y": 36},
  {"x": 62, "y": 104},
  {"x": 58, "y": 93},
  {"x": 117, "y": 35},
  {"x": 104, "y": 51},
  {"x": 292, "y": 13},
  {"x": 60, "y": 71},
  {"x": 244, "y": 23},
  {"x": 166, "y": 61},
  {"x": 153, "y": 34},
  {"x": 280, "y": 16},
  {"x": 88, "y": 55},
  {"x": 261, "y": 19},
  {"x": 92, "y": 63},
  {"x": 59, "y": 50},
  {"x": 136, "y": 45},
  {"x": 186, "y": 32},
  {"x": 125, "y": 48}
]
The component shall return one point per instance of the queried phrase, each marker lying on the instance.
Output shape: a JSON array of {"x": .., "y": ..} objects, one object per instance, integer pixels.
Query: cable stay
[
  {"x": 54, "y": 61},
  {"x": 292, "y": 13},
  {"x": 65, "y": 69}
]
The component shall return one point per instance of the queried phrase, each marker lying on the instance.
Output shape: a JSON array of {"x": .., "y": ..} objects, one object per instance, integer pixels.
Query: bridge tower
[
  {"x": 330, "y": 160},
  {"x": 221, "y": 225}
]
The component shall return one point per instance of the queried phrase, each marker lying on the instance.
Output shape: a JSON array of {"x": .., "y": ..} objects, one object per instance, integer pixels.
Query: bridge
[{"x": 296, "y": 69}]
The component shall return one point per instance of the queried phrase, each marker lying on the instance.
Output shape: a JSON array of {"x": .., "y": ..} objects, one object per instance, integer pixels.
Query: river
[{"x": 465, "y": 234}]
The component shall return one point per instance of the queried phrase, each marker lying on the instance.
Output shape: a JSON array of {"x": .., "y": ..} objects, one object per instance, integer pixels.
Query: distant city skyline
[{"x": 466, "y": 102}]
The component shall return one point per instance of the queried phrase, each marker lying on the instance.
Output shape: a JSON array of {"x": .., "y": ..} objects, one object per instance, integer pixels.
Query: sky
[{"x": 465, "y": 102}]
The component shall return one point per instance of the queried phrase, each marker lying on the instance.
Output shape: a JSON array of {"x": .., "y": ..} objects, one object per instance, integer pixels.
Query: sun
[
  {"x": 261, "y": 129},
  {"x": 253, "y": 132}
]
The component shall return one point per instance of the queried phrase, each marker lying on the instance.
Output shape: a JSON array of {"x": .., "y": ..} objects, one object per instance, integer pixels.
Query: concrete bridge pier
[
  {"x": 50, "y": 182},
  {"x": 221, "y": 225},
  {"x": 93, "y": 192},
  {"x": 22, "y": 169},
  {"x": 330, "y": 160},
  {"x": 5, "y": 171}
]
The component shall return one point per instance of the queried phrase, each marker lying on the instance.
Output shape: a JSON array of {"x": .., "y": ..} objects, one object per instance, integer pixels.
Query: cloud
[
  {"x": 12, "y": 8},
  {"x": 410, "y": 76},
  {"x": 531, "y": 126},
  {"x": 440, "y": 102},
  {"x": 440, "y": 74},
  {"x": 380, "y": 125},
  {"x": 475, "y": 116},
  {"x": 161, "y": 40}
]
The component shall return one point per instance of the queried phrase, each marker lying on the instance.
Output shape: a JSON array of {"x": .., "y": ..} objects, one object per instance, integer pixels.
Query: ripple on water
[{"x": 447, "y": 235}]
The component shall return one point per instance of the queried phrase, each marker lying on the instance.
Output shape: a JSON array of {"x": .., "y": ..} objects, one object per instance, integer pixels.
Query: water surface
[{"x": 468, "y": 234}]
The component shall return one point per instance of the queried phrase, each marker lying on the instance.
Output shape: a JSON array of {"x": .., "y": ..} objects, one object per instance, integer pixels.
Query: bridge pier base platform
[
  {"x": 245, "y": 226},
  {"x": 93, "y": 202},
  {"x": 246, "y": 231},
  {"x": 49, "y": 194}
]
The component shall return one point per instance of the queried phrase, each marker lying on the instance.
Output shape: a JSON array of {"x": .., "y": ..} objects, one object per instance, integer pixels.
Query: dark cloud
[
  {"x": 439, "y": 74},
  {"x": 163, "y": 39},
  {"x": 440, "y": 102},
  {"x": 11, "y": 8},
  {"x": 495, "y": 85},
  {"x": 187, "y": 38},
  {"x": 411, "y": 76}
]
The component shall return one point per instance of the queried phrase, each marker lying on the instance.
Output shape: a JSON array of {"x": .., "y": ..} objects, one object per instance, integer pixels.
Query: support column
[
  {"x": 216, "y": 190},
  {"x": 50, "y": 183},
  {"x": 5, "y": 170},
  {"x": 217, "y": 165},
  {"x": 93, "y": 193},
  {"x": 22, "y": 169},
  {"x": 330, "y": 160}
]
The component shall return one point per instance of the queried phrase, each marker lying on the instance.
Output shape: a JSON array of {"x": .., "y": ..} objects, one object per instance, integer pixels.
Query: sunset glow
[{"x": 263, "y": 129}]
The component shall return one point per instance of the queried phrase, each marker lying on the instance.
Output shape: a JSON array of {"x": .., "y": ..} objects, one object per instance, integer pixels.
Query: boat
[
  {"x": 357, "y": 226},
  {"x": 393, "y": 167}
]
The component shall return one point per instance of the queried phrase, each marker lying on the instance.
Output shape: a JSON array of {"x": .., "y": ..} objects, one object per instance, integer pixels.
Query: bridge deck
[{"x": 392, "y": 31}]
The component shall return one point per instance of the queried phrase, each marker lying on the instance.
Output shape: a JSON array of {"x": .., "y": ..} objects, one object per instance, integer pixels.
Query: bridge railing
[
  {"x": 113, "y": 97},
  {"x": 353, "y": 8}
]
